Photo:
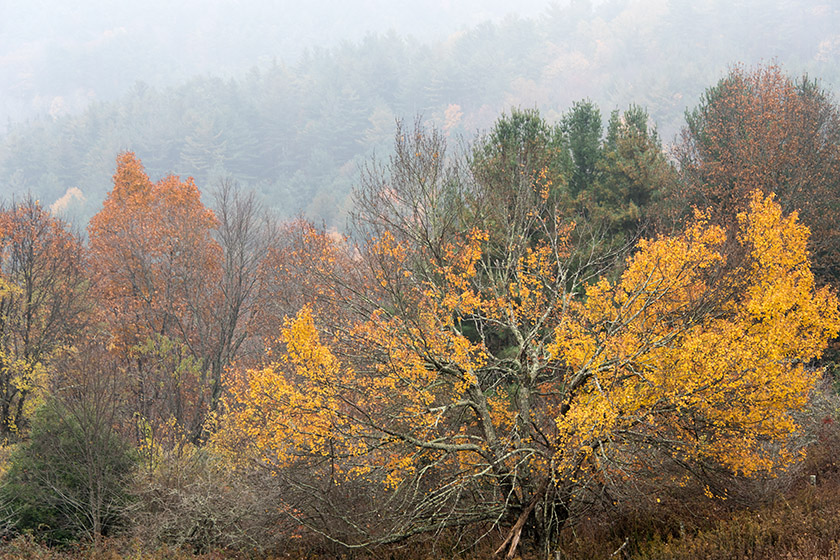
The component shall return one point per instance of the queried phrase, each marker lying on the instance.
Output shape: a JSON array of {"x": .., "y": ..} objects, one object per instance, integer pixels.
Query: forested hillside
[{"x": 297, "y": 128}]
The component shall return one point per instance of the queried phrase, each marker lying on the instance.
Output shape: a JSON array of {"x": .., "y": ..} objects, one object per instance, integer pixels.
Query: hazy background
[
  {"x": 58, "y": 56},
  {"x": 289, "y": 98}
]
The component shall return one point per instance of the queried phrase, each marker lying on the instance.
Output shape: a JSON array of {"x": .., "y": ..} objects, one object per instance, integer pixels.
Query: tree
[
  {"x": 521, "y": 151},
  {"x": 417, "y": 197},
  {"x": 297, "y": 271},
  {"x": 697, "y": 350},
  {"x": 44, "y": 305},
  {"x": 760, "y": 129},
  {"x": 519, "y": 148},
  {"x": 70, "y": 479},
  {"x": 246, "y": 235},
  {"x": 582, "y": 125},
  {"x": 158, "y": 271},
  {"x": 633, "y": 174},
  {"x": 605, "y": 186},
  {"x": 178, "y": 285}
]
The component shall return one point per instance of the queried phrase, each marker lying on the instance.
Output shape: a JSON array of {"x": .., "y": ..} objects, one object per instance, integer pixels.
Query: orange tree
[
  {"x": 176, "y": 283},
  {"x": 157, "y": 267},
  {"x": 760, "y": 129},
  {"x": 699, "y": 350},
  {"x": 44, "y": 305}
]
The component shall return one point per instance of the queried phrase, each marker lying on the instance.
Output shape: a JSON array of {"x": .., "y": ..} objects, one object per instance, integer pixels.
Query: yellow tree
[
  {"x": 445, "y": 375},
  {"x": 501, "y": 389}
]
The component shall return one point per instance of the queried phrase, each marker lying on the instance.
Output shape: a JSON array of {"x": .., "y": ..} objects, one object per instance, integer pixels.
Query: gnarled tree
[{"x": 698, "y": 349}]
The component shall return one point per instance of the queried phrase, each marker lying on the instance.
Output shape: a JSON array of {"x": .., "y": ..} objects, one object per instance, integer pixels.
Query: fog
[
  {"x": 291, "y": 98},
  {"x": 57, "y": 57}
]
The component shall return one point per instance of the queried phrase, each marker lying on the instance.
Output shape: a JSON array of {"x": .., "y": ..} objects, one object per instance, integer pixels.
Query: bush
[
  {"x": 193, "y": 498},
  {"x": 69, "y": 481}
]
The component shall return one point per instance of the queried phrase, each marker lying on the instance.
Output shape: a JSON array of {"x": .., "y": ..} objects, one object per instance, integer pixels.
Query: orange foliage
[
  {"x": 296, "y": 272},
  {"x": 758, "y": 129},
  {"x": 43, "y": 305},
  {"x": 152, "y": 248},
  {"x": 158, "y": 271}
]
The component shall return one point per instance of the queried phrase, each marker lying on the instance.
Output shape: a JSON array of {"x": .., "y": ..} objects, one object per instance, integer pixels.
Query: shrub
[
  {"x": 192, "y": 498},
  {"x": 69, "y": 481}
]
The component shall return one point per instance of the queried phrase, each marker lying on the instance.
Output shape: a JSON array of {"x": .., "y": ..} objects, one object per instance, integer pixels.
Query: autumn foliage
[
  {"x": 44, "y": 305},
  {"x": 494, "y": 352},
  {"x": 157, "y": 267},
  {"x": 759, "y": 129},
  {"x": 152, "y": 247},
  {"x": 688, "y": 352}
]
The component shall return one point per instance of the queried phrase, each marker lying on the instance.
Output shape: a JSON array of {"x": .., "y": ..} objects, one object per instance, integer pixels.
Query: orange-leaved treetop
[{"x": 158, "y": 270}]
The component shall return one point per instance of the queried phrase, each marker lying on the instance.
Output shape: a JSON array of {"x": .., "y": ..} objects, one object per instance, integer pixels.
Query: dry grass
[{"x": 802, "y": 523}]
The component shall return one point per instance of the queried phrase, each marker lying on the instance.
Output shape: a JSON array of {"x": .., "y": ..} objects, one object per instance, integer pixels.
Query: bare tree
[
  {"x": 245, "y": 233},
  {"x": 70, "y": 480}
]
